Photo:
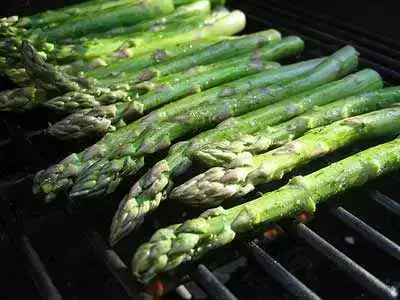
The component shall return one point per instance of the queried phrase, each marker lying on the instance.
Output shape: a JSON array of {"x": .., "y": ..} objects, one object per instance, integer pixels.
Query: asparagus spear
[
  {"x": 226, "y": 152},
  {"x": 118, "y": 16},
  {"x": 106, "y": 118},
  {"x": 55, "y": 80},
  {"x": 61, "y": 176},
  {"x": 176, "y": 244},
  {"x": 218, "y": 184},
  {"x": 54, "y": 17},
  {"x": 103, "y": 176},
  {"x": 23, "y": 98},
  {"x": 146, "y": 194}
]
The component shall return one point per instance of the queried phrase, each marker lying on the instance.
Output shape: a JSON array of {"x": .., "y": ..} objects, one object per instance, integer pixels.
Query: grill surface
[{"x": 349, "y": 251}]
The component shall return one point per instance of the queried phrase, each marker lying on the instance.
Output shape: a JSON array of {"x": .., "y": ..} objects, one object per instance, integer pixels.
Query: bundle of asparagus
[
  {"x": 174, "y": 67},
  {"x": 247, "y": 171},
  {"x": 153, "y": 187},
  {"x": 169, "y": 247}
]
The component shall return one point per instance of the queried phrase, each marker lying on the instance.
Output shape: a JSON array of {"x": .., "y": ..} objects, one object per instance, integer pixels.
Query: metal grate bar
[
  {"x": 310, "y": 19},
  {"x": 362, "y": 276},
  {"x": 39, "y": 273},
  {"x": 368, "y": 232},
  {"x": 214, "y": 288},
  {"x": 293, "y": 21},
  {"x": 386, "y": 202},
  {"x": 113, "y": 262},
  {"x": 279, "y": 273},
  {"x": 342, "y": 24},
  {"x": 251, "y": 14}
]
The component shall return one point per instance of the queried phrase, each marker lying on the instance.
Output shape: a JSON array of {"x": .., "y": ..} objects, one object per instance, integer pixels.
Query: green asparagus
[
  {"x": 153, "y": 187},
  {"x": 225, "y": 152},
  {"x": 218, "y": 184},
  {"x": 107, "y": 118},
  {"x": 103, "y": 176},
  {"x": 112, "y": 17},
  {"x": 176, "y": 244},
  {"x": 61, "y": 176}
]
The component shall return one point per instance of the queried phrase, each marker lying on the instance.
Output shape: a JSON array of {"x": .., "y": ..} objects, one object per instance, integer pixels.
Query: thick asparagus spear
[
  {"x": 103, "y": 176},
  {"x": 218, "y": 184},
  {"x": 106, "y": 118},
  {"x": 176, "y": 244},
  {"x": 153, "y": 187},
  {"x": 225, "y": 152},
  {"x": 62, "y": 175},
  {"x": 23, "y": 98}
]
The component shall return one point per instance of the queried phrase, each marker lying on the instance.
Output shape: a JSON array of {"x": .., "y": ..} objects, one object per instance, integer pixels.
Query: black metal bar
[
  {"x": 368, "y": 232},
  {"x": 251, "y": 13},
  {"x": 313, "y": 20},
  {"x": 290, "y": 20},
  {"x": 114, "y": 263},
  {"x": 362, "y": 276},
  {"x": 386, "y": 202},
  {"x": 42, "y": 280},
  {"x": 342, "y": 24},
  {"x": 214, "y": 288},
  {"x": 279, "y": 273}
]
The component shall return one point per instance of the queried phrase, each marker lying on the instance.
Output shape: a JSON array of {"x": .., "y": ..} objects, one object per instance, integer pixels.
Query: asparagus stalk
[
  {"x": 145, "y": 195},
  {"x": 137, "y": 42},
  {"x": 226, "y": 152},
  {"x": 123, "y": 15},
  {"x": 218, "y": 184},
  {"x": 107, "y": 118},
  {"x": 48, "y": 183},
  {"x": 176, "y": 244},
  {"x": 105, "y": 175},
  {"x": 23, "y": 98},
  {"x": 54, "y": 17},
  {"x": 59, "y": 81},
  {"x": 51, "y": 75},
  {"x": 121, "y": 69}
]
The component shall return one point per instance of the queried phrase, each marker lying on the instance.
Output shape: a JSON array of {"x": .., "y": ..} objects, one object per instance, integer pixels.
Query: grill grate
[{"x": 322, "y": 35}]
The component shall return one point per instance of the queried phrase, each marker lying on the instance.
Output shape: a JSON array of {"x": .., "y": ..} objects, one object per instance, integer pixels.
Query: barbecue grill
[{"x": 349, "y": 250}]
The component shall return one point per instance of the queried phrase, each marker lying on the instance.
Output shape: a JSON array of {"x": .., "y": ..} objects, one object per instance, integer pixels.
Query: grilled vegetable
[
  {"x": 153, "y": 187},
  {"x": 217, "y": 184},
  {"x": 62, "y": 175},
  {"x": 176, "y": 244},
  {"x": 103, "y": 176},
  {"x": 106, "y": 118},
  {"x": 226, "y": 152}
]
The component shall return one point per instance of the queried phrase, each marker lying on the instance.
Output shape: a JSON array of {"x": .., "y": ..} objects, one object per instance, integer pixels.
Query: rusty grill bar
[{"x": 322, "y": 35}]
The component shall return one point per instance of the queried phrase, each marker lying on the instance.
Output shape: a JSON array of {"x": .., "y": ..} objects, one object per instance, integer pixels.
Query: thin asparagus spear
[
  {"x": 218, "y": 184},
  {"x": 213, "y": 2},
  {"x": 23, "y": 98},
  {"x": 106, "y": 118},
  {"x": 105, "y": 175},
  {"x": 182, "y": 14},
  {"x": 145, "y": 195},
  {"x": 48, "y": 183},
  {"x": 52, "y": 17},
  {"x": 176, "y": 244},
  {"x": 54, "y": 80},
  {"x": 54, "y": 77},
  {"x": 134, "y": 42},
  {"x": 118, "y": 16},
  {"x": 225, "y": 152}
]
